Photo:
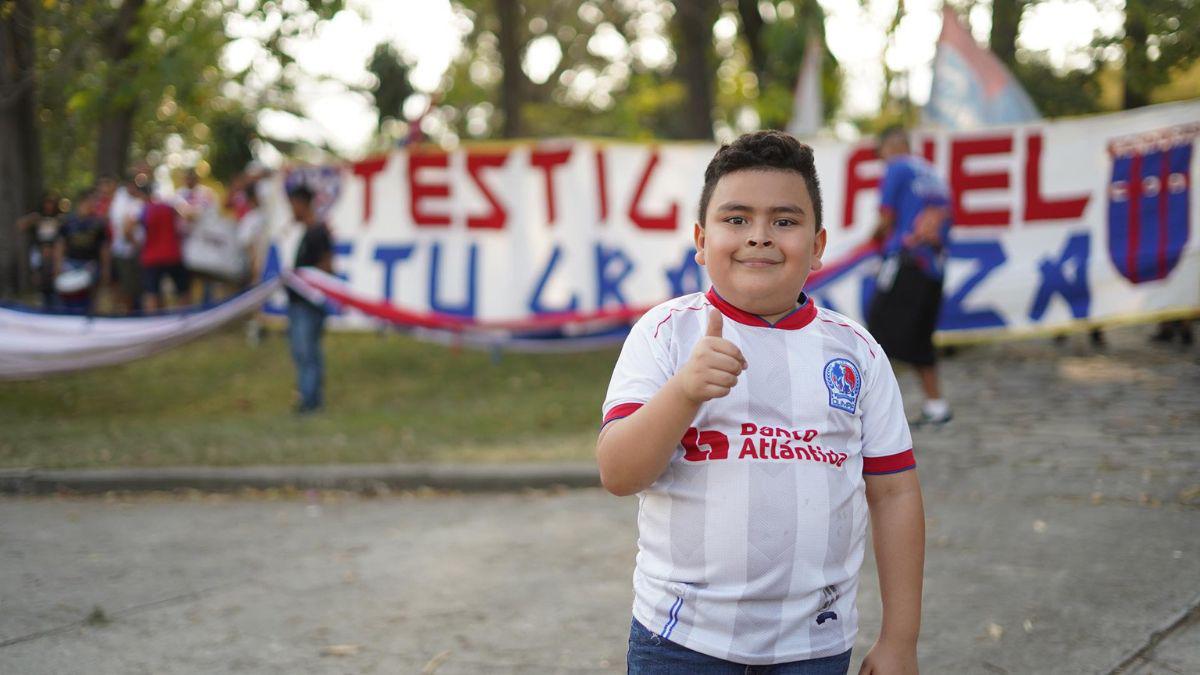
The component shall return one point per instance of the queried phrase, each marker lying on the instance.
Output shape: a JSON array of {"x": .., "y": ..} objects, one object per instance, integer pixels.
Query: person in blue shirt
[{"x": 914, "y": 226}]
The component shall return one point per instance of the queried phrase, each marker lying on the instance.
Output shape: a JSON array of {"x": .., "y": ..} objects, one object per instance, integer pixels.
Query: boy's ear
[
  {"x": 698, "y": 234},
  {"x": 818, "y": 250}
]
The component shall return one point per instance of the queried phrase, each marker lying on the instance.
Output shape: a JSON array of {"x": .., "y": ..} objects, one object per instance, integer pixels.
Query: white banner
[
  {"x": 1085, "y": 220},
  {"x": 35, "y": 344}
]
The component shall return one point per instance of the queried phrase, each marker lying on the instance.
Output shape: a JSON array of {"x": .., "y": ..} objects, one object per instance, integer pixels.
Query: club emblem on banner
[
  {"x": 324, "y": 181},
  {"x": 1148, "y": 203},
  {"x": 844, "y": 382}
]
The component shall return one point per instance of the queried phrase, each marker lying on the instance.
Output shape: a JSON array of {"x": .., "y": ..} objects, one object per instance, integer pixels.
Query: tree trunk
[
  {"x": 116, "y": 135},
  {"x": 694, "y": 49},
  {"x": 512, "y": 85},
  {"x": 1006, "y": 20},
  {"x": 20, "y": 152},
  {"x": 1136, "y": 85},
  {"x": 752, "y": 27},
  {"x": 116, "y": 123}
]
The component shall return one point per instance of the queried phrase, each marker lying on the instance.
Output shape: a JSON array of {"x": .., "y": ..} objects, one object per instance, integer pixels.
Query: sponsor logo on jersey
[{"x": 844, "y": 381}]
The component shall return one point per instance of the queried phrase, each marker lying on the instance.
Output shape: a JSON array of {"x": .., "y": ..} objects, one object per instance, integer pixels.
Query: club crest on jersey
[{"x": 844, "y": 382}]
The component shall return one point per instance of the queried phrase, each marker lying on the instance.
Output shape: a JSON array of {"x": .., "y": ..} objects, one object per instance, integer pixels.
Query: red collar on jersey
[{"x": 799, "y": 318}]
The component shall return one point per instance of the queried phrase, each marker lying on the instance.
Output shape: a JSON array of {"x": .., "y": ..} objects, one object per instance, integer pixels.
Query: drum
[{"x": 74, "y": 284}]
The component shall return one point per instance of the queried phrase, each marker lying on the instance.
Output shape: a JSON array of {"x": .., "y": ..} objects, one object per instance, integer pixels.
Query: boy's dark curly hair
[{"x": 770, "y": 150}]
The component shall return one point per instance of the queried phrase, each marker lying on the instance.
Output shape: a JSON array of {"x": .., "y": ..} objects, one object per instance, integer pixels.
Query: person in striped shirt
[{"x": 760, "y": 434}]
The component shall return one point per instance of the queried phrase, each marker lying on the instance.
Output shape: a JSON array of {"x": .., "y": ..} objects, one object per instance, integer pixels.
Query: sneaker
[
  {"x": 306, "y": 410},
  {"x": 930, "y": 421}
]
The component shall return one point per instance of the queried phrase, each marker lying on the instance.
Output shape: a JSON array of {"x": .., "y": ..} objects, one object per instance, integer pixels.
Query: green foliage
[
  {"x": 163, "y": 65},
  {"x": 1056, "y": 94},
  {"x": 785, "y": 39},
  {"x": 1160, "y": 41},
  {"x": 624, "y": 93}
]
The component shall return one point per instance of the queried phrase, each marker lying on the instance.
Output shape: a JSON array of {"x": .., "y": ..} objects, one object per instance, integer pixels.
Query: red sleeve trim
[
  {"x": 619, "y": 411},
  {"x": 901, "y": 461}
]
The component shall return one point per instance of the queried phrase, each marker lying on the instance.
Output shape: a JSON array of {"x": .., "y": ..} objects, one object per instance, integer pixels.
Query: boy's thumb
[{"x": 714, "y": 323}]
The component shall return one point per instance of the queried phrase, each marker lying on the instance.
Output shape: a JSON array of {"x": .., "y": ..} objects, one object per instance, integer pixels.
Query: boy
[
  {"x": 306, "y": 321},
  {"x": 751, "y": 423}
]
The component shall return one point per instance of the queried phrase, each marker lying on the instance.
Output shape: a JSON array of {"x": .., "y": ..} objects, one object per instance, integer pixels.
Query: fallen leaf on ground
[{"x": 339, "y": 650}]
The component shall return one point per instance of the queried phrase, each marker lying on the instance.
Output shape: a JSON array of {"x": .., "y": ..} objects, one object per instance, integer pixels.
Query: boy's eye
[
  {"x": 784, "y": 222},
  {"x": 735, "y": 220}
]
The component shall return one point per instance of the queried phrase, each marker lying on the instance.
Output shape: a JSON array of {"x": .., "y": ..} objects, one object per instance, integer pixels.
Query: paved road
[{"x": 1063, "y": 505}]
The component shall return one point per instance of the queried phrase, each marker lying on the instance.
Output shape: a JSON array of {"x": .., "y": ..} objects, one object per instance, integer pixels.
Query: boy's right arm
[{"x": 633, "y": 452}]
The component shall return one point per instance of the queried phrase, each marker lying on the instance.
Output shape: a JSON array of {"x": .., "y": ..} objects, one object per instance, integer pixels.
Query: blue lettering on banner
[
  {"x": 535, "y": 302},
  {"x": 390, "y": 256},
  {"x": 1072, "y": 287},
  {"x": 467, "y": 307},
  {"x": 342, "y": 250},
  {"x": 273, "y": 266},
  {"x": 823, "y": 300},
  {"x": 687, "y": 277},
  {"x": 988, "y": 255},
  {"x": 608, "y": 282}
]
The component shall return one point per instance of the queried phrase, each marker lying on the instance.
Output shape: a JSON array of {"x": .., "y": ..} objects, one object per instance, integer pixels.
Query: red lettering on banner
[
  {"x": 809, "y": 435},
  {"x": 748, "y": 449},
  {"x": 546, "y": 161},
  {"x": 856, "y": 181},
  {"x": 693, "y": 439},
  {"x": 927, "y": 150},
  {"x": 962, "y": 182},
  {"x": 749, "y": 428},
  {"x": 645, "y": 221},
  {"x": 476, "y": 162},
  {"x": 1038, "y": 207},
  {"x": 420, "y": 191},
  {"x": 601, "y": 185},
  {"x": 366, "y": 170}
]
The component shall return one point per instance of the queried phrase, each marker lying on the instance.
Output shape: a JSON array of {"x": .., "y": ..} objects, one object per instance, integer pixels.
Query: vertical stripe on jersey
[
  {"x": 840, "y": 531},
  {"x": 687, "y": 519},
  {"x": 772, "y": 514}
]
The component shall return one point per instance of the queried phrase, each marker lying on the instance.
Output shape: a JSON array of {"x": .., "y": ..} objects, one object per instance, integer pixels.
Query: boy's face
[{"x": 759, "y": 240}]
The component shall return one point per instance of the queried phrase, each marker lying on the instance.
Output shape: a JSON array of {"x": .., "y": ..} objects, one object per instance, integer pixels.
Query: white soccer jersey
[{"x": 750, "y": 542}]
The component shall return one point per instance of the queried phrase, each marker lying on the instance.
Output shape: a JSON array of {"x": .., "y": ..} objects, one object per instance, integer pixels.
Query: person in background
[
  {"x": 306, "y": 320},
  {"x": 196, "y": 202},
  {"x": 252, "y": 233},
  {"x": 252, "y": 237},
  {"x": 124, "y": 211},
  {"x": 914, "y": 226},
  {"x": 82, "y": 249},
  {"x": 160, "y": 233},
  {"x": 1168, "y": 331},
  {"x": 41, "y": 232}
]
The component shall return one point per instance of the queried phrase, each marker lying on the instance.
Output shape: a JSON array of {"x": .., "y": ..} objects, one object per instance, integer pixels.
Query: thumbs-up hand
[{"x": 713, "y": 368}]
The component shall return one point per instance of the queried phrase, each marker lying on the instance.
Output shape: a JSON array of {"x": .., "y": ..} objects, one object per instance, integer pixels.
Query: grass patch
[{"x": 221, "y": 402}]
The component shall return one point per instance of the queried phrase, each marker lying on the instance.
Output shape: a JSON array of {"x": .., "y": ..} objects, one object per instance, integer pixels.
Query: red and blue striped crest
[{"x": 1148, "y": 206}]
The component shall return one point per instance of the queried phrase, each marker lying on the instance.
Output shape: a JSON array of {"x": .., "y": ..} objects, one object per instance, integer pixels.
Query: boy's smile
[{"x": 759, "y": 241}]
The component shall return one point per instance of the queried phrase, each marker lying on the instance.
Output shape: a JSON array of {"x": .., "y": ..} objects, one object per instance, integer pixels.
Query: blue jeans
[
  {"x": 305, "y": 325},
  {"x": 651, "y": 654}
]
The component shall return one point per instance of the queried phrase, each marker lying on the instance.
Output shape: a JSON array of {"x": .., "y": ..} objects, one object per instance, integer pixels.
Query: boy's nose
[{"x": 759, "y": 239}]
